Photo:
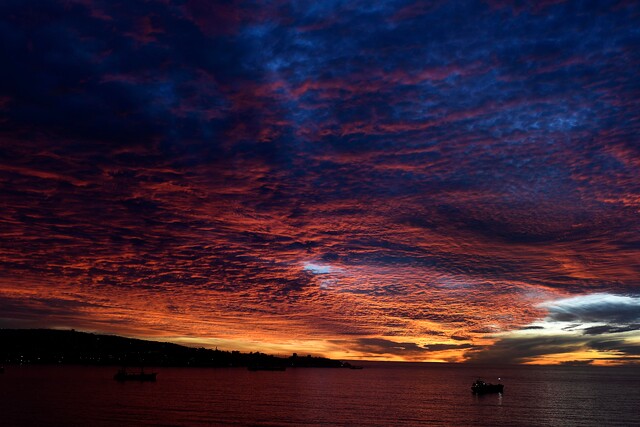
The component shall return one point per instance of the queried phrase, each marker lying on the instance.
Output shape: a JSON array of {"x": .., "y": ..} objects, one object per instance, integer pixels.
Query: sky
[{"x": 453, "y": 181}]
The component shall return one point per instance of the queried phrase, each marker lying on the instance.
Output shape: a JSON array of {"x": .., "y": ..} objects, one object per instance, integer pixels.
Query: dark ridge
[{"x": 70, "y": 347}]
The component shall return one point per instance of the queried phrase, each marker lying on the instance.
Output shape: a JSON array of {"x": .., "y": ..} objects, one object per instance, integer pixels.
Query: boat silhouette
[
  {"x": 124, "y": 375},
  {"x": 266, "y": 368},
  {"x": 481, "y": 387}
]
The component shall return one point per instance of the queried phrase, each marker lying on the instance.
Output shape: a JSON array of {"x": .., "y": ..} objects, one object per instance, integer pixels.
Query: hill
[{"x": 49, "y": 346}]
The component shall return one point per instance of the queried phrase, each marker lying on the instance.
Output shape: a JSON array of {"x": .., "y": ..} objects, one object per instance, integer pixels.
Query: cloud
[
  {"x": 325, "y": 170},
  {"x": 601, "y": 322},
  {"x": 610, "y": 329},
  {"x": 528, "y": 349},
  {"x": 524, "y": 349},
  {"x": 377, "y": 347},
  {"x": 617, "y": 346},
  {"x": 606, "y": 308}
]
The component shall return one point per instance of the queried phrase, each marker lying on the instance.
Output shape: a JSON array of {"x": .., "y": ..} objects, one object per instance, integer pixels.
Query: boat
[
  {"x": 350, "y": 366},
  {"x": 266, "y": 368},
  {"x": 124, "y": 375},
  {"x": 481, "y": 387}
]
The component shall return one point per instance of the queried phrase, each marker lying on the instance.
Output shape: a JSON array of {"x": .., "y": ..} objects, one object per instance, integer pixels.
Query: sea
[{"x": 381, "y": 394}]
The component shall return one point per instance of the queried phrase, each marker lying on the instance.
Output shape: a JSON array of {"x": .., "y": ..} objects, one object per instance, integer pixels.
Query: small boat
[
  {"x": 124, "y": 375},
  {"x": 481, "y": 387},
  {"x": 266, "y": 368},
  {"x": 350, "y": 366}
]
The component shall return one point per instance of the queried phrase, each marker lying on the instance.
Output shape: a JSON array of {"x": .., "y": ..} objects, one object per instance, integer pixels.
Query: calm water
[{"x": 379, "y": 395}]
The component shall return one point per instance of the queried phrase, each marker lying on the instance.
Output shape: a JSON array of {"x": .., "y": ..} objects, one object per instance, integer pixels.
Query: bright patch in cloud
[
  {"x": 602, "y": 307},
  {"x": 318, "y": 268}
]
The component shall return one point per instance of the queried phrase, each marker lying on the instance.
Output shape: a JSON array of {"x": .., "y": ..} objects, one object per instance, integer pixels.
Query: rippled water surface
[{"x": 379, "y": 395}]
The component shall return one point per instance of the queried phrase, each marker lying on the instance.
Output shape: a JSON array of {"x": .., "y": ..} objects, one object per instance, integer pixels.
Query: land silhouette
[{"x": 70, "y": 347}]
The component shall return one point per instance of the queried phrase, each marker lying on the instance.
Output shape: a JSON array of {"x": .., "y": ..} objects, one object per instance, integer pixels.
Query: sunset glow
[{"x": 395, "y": 180}]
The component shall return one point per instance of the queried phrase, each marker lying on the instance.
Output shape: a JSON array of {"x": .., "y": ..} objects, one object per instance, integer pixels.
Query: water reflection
[
  {"x": 488, "y": 399},
  {"x": 380, "y": 395}
]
